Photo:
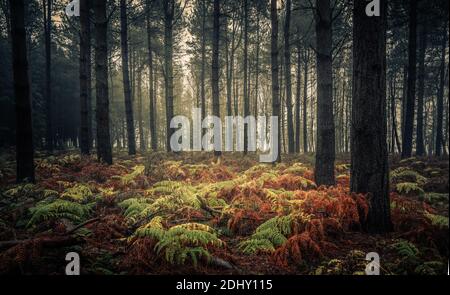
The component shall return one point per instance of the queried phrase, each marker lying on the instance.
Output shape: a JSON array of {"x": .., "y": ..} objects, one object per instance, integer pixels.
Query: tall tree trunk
[
  {"x": 404, "y": 98},
  {"x": 154, "y": 142},
  {"x": 305, "y": 102},
  {"x": 440, "y": 95},
  {"x": 126, "y": 78},
  {"x": 395, "y": 138},
  {"x": 274, "y": 70},
  {"x": 258, "y": 40},
  {"x": 215, "y": 65},
  {"x": 47, "y": 8},
  {"x": 104, "y": 151},
  {"x": 22, "y": 91},
  {"x": 420, "y": 148},
  {"x": 245, "y": 65},
  {"x": 411, "y": 92},
  {"x": 168, "y": 65},
  {"x": 228, "y": 69},
  {"x": 203, "y": 61},
  {"x": 325, "y": 146},
  {"x": 140, "y": 123},
  {"x": 369, "y": 173},
  {"x": 287, "y": 74},
  {"x": 298, "y": 99},
  {"x": 85, "y": 69}
]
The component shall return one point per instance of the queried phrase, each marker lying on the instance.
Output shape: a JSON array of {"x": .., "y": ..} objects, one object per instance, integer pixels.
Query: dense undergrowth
[{"x": 188, "y": 213}]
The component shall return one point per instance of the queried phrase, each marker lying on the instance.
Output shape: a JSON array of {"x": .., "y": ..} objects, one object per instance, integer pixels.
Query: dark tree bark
[
  {"x": 287, "y": 74},
  {"x": 369, "y": 173},
  {"x": 245, "y": 65},
  {"x": 215, "y": 64},
  {"x": 274, "y": 70},
  {"x": 85, "y": 77},
  {"x": 169, "y": 7},
  {"x": 325, "y": 147},
  {"x": 420, "y": 148},
  {"x": 22, "y": 91},
  {"x": 298, "y": 99},
  {"x": 126, "y": 78},
  {"x": 47, "y": 9},
  {"x": 104, "y": 152},
  {"x": 154, "y": 142},
  {"x": 411, "y": 91},
  {"x": 439, "y": 145}
]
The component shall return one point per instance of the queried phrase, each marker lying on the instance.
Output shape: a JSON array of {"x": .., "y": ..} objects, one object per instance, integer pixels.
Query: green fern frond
[
  {"x": 130, "y": 177},
  {"x": 254, "y": 246},
  {"x": 296, "y": 169},
  {"x": 25, "y": 190},
  {"x": 409, "y": 188},
  {"x": 58, "y": 209},
  {"x": 405, "y": 249},
  {"x": 79, "y": 193}
]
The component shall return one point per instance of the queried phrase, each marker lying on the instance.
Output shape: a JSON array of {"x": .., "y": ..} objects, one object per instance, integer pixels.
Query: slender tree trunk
[
  {"x": 298, "y": 99},
  {"x": 325, "y": 141},
  {"x": 411, "y": 92},
  {"x": 395, "y": 138},
  {"x": 258, "y": 40},
  {"x": 420, "y": 148},
  {"x": 245, "y": 65},
  {"x": 104, "y": 151},
  {"x": 85, "y": 56},
  {"x": 47, "y": 9},
  {"x": 446, "y": 110},
  {"x": 215, "y": 65},
  {"x": 228, "y": 70},
  {"x": 140, "y": 123},
  {"x": 154, "y": 143},
  {"x": 440, "y": 96},
  {"x": 126, "y": 78},
  {"x": 203, "y": 62},
  {"x": 168, "y": 66},
  {"x": 369, "y": 173},
  {"x": 305, "y": 102},
  {"x": 287, "y": 74},
  {"x": 22, "y": 91},
  {"x": 274, "y": 70}
]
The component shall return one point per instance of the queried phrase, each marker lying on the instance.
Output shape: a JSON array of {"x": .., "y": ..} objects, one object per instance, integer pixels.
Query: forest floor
[{"x": 185, "y": 213}]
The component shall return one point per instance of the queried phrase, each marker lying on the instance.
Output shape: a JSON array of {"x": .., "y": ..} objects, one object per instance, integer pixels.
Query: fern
[
  {"x": 272, "y": 233},
  {"x": 296, "y": 169},
  {"x": 438, "y": 220},
  {"x": 130, "y": 177},
  {"x": 58, "y": 209},
  {"x": 154, "y": 230},
  {"x": 253, "y": 246},
  {"x": 22, "y": 190},
  {"x": 134, "y": 208},
  {"x": 409, "y": 188},
  {"x": 180, "y": 242},
  {"x": 79, "y": 193},
  {"x": 436, "y": 198},
  {"x": 430, "y": 268},
  {"x": 405, "y": 249},
  {"x": 403, "y": 174}
]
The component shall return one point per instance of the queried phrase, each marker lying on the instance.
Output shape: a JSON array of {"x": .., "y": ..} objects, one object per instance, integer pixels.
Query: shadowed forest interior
[{"x": 359, "y": 97}]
